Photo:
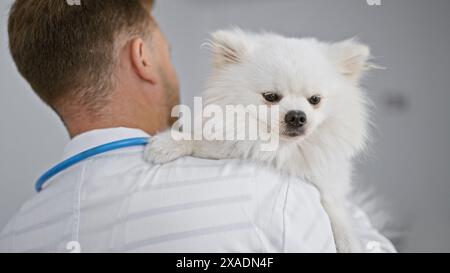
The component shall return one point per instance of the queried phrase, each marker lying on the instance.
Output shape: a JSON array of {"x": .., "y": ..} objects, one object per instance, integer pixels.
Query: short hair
[{"x": 66, "y": 49}]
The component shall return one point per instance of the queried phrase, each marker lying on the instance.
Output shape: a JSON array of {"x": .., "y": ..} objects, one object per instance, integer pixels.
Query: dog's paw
[
  {"x": 162, "y": 148},
  {"x": 346, "y": 243}
]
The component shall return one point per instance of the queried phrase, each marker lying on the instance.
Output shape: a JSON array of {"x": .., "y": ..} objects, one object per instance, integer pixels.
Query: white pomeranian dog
[{"x": 323, "y": 117}]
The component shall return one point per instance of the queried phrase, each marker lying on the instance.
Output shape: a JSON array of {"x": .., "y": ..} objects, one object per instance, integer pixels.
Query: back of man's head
[{"x": 66, "y": 52}]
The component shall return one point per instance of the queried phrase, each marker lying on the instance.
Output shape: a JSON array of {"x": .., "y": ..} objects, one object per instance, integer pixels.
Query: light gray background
[{"x": 409, "y": 158}]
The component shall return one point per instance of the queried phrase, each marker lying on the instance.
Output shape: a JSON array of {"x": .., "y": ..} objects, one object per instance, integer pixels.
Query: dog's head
[{"x": 315, "y": 84}]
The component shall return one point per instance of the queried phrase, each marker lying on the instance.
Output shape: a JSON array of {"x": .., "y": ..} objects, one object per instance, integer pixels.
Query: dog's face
[{"x": 314, "y": 84}]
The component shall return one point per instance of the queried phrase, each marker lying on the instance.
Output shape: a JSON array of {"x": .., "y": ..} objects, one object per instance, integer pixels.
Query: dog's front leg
[
  {"x": 334, "y": 186},
  {"x": 169, "y": 145},
  {"x": 344, "y": 235},
  {"x": 165, "y": 147}
]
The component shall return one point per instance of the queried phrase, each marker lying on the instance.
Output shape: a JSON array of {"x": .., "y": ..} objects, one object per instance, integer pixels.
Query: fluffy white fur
[{"x": 247, "y": 65}]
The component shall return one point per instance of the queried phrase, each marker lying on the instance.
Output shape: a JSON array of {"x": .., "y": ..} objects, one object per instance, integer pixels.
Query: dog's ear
[
  {"x": 228, "y": 46},
  {"x": 351, "y": 58}
]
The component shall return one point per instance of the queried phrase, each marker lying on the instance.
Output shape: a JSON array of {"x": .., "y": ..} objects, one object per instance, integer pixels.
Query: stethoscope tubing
[{"x": 124, "y": 143}]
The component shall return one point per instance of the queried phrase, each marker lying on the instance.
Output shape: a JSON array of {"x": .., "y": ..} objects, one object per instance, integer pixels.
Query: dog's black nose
[{"x": 295, "y": 119}]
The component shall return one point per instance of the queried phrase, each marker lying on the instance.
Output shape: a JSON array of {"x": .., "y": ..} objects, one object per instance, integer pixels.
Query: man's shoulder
[
  {"x": 256, "y": 178},
  {"x": 199, "y": 170},
  {"x": 133, "y": 165},
  {"x": 212, "y": 166},
  {"x": 187, "y": 170}
]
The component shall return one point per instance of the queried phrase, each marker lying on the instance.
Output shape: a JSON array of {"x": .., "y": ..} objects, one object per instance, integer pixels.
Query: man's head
[{"x": 98, "y": 64}]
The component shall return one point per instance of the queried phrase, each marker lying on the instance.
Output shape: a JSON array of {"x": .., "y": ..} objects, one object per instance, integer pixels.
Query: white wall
[{"x": 411, "y": 152}]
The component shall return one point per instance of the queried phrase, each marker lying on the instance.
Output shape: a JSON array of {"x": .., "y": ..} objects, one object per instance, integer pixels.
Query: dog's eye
[
  {"x": 315, "y": 100},
  {"x": 271, "y": 97}
]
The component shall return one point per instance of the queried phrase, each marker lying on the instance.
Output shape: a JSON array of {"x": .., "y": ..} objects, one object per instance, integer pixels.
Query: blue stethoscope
[{"x": 138, "y": 141}]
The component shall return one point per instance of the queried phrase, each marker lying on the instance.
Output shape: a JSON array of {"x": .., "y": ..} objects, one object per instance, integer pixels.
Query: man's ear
[
  {"x": 351, "y": 58},
  {"x": 142, "y": 60},
  {"x": 228, "y": 46}
]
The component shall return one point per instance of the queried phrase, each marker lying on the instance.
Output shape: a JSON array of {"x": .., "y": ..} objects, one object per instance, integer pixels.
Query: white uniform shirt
[{"x": 117, "y": 202}]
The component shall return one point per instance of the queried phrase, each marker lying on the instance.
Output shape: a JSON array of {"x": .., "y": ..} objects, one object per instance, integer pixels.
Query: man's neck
[{"x": 147, "y": 121}]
